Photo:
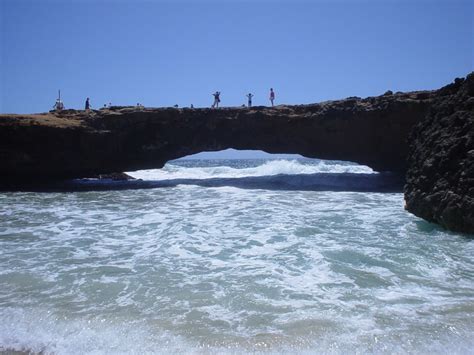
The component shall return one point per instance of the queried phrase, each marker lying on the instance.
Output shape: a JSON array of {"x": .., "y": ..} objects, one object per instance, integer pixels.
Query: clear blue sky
[{"x": 161, "y": 53}]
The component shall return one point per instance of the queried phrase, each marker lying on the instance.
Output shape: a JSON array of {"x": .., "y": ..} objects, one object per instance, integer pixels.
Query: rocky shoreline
[{"x": 374, "y": 131}]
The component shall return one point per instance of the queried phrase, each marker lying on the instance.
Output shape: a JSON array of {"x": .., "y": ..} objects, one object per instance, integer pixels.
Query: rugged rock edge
[{"x": 440, "y": 175}]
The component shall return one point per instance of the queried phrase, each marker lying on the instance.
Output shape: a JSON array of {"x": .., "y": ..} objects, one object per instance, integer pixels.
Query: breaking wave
[{"x": 182, "y": 170}]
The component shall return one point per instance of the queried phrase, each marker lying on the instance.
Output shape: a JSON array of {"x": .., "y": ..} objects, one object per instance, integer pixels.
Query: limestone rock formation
[
  {"x": 440, "y": 177},
  {"x": 74, "y": 144}
]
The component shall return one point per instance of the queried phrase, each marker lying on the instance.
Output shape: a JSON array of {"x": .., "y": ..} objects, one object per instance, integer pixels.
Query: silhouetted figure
[
  {"x": 217, "y": 99},
  {"x": 192, "y": 106},
  {"x": 249, "y": 95},
  {"x": 58, "y": 106},
  {"x": 176, "y": 106},
  {"x": 272, "y": 96},
  {"x": 88, "y": 105}
]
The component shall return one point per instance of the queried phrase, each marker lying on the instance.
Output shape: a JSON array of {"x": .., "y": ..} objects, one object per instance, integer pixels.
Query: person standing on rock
[
  {"x": 249, "y": 95},
  {"x": 272, "y": 96},
  {"x": 58, "y": 106},
  {"x": 217, "y": 99},
  {"x": 88, "y": 105}
]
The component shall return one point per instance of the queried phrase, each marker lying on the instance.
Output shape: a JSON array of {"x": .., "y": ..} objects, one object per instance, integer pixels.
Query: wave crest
[{"x": 173, "y": 171}]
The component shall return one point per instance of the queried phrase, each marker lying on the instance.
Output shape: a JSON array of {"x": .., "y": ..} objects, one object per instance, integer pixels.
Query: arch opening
[{"x": 261, "y": 170}]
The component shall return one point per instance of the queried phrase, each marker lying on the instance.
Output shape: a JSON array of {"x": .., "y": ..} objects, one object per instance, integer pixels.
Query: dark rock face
[
  {"x": 440, "y": 177},
  {"x": 72, "y": 144}
]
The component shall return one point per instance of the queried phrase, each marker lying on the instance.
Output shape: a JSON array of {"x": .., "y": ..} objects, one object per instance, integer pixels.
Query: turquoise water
[{"x": 226, "y": 269}]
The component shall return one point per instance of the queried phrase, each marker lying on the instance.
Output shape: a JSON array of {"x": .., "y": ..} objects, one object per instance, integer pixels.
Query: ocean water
[{"x": 231, "y": 257}]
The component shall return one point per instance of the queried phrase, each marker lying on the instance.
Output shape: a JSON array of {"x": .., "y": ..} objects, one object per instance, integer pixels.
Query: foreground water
[{"x": 196, "y": 269}]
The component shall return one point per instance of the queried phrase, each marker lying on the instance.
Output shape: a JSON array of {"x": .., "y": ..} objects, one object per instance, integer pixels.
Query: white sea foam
[
  {"x": 42, "y": 332},
  {"x": 187, "y": 269},
  {"x": 267, "y": 168}
]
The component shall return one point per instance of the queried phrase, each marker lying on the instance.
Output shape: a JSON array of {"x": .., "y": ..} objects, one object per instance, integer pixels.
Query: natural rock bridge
[
  {"x": 73, "y": 144},
  {"x": 429, "y": 135}
]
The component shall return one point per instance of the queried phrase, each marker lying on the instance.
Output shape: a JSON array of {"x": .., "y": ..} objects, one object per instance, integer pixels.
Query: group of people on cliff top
[{"x": 217, "y": 98}]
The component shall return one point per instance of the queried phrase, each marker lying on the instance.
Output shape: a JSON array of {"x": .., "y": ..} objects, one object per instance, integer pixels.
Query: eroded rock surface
[{"x": 440, "y": 177}]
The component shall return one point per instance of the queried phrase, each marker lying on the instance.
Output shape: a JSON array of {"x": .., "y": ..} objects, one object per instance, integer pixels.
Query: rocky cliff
[
  {"x": 440, "y": 177},
  {"x": 72, "y": 144}
]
